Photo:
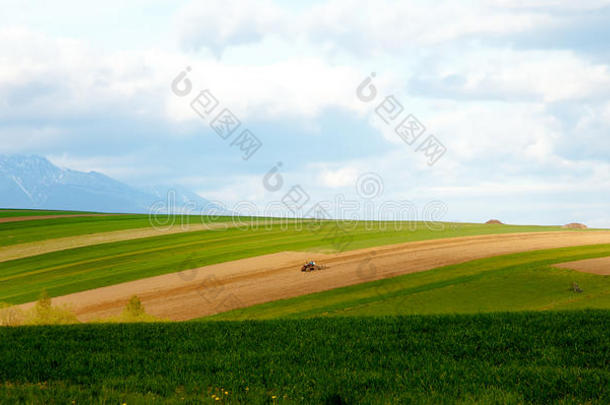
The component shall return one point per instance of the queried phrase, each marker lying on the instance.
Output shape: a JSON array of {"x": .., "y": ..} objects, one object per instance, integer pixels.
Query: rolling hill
[{"x": 392, "y": 336}]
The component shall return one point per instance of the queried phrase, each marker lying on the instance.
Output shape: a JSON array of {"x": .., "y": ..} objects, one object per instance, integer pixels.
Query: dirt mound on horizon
[
  {"x": 574, "y": 225},
  {"x": 494, "y": 222}
]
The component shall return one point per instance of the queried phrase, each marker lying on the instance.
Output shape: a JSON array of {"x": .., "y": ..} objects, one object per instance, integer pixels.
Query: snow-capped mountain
[{"x": 34, "y": 182}]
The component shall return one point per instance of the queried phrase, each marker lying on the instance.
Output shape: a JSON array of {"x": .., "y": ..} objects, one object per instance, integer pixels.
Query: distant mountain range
[{"x": 34, "y": 182}]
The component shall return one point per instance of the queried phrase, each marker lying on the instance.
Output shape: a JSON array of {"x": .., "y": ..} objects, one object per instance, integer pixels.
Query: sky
[{"x": 510, "y": 100}]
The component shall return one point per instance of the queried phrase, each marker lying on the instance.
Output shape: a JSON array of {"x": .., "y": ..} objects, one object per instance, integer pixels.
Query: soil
[
  {"x": 599, "y": 265},
  {"x": 574, "y": 225}
]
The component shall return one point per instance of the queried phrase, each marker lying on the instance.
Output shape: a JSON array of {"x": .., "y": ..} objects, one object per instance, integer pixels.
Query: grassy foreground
[
  {"x": 501, "y": 358},
  {"x": 516, "y": 282}
]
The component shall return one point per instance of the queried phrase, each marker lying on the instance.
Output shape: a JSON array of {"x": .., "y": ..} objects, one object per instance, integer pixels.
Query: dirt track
[
  {"x": 221, "y": 287},
  {"x": 599, "y": 266}
]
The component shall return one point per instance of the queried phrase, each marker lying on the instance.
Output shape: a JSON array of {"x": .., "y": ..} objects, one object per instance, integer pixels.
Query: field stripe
[
  {"x": 104, "y": 265},
  {"x": 26, "y": 213},
  {"x": 22, "y": 250},
  {"x": 599, "y": 266},
  {"x": 40, "y": 217},
  {"x": 173, "y": 246}
]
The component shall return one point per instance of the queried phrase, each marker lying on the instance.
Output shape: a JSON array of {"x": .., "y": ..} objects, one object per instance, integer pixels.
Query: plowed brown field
[{"x": 599, "y": 265}]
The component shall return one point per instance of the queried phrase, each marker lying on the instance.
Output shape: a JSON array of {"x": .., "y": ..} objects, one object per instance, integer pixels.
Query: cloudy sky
[{"x": 515, "y": 92}]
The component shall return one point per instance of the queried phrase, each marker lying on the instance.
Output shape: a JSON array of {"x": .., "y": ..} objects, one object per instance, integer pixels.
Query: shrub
[
  {"x": 133, "y": 312},
  {"x": 134, "y": 307},
  {"x": 10, "y": 315},
  {"x": 44, "y": 313}
]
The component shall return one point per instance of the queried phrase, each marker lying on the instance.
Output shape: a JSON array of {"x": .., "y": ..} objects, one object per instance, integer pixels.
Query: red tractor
[{"x": 311, "y": 266}]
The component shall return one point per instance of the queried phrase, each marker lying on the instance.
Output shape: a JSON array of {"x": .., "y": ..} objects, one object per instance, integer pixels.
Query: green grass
[
  {"x": 508, "y": 358},
  {"x": 12, "y": 233},
  {"x": 5, "y": 213},
  {"x": 517, "y": 282},
  {"x": 341, "y": 356},
  {"x": 74, "y": 270}
]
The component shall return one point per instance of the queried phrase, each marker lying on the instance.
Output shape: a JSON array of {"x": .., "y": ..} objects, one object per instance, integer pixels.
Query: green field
[
  {"x": 6, "y": 213},
  {"x": 517, "y": 282},
  {"x": 390, "y": 341},
  {"x": 12, "y": 233},
  {"x": 513, "y": 358},
  {"x": 79, "y": 269}
]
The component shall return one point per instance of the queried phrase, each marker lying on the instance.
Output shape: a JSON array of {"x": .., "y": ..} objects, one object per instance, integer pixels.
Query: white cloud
[
  {"x": 124, "y": 167},
  {"x": 336, "y": 178},
  {"x": 552, "y": 4},
  {"x": 37, "y": 71},
  {"x": 515, "y": 122},
  {"x": 217, "y": 24},
  {"x": 43, "y": 76},
  {"x": 355, "y": 25},
  {"x": 482, "y": 131},
  {"x": 543, "y": 75},
  {"x": 245, "y": 191},
  {"x": 390, "y": 25},
  {"x": 292, "y": 88},
  {"x": 16, "y": 139}
]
